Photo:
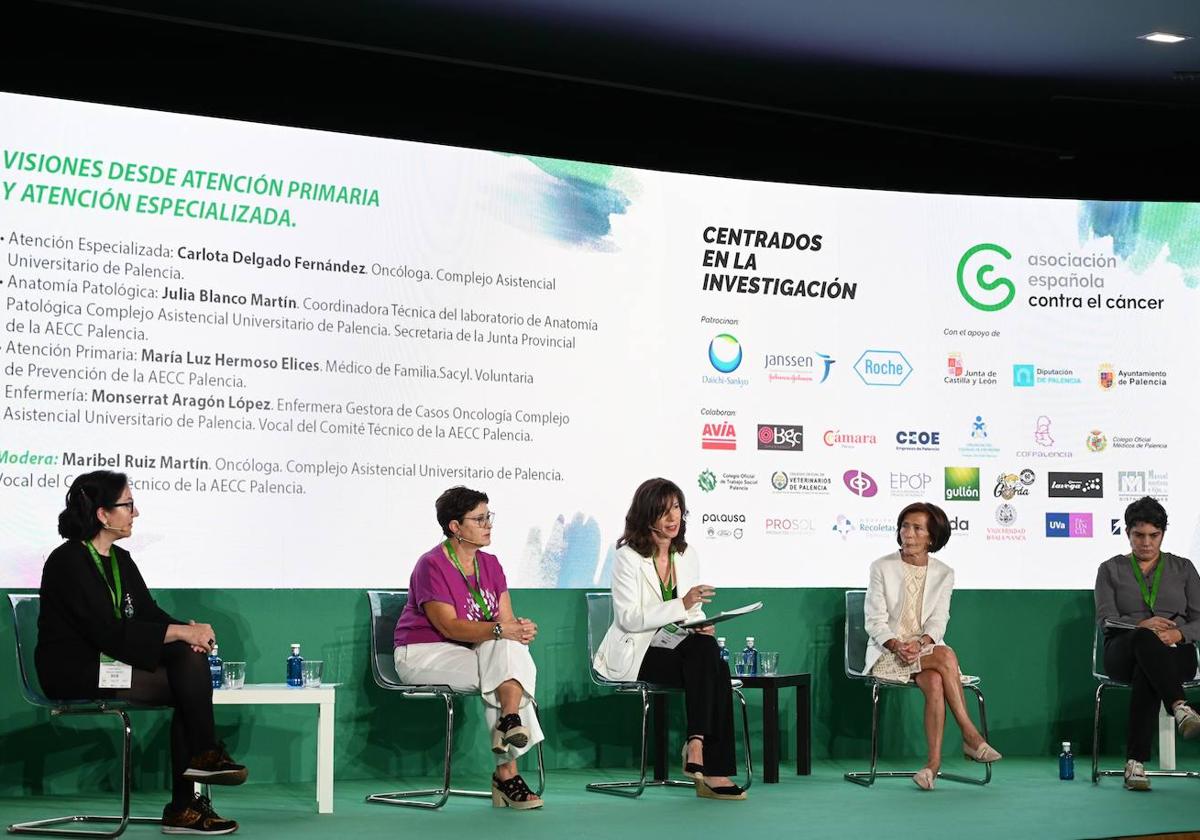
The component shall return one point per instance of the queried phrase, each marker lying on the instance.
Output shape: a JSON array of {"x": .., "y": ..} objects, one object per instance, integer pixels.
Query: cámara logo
[
  {"x": 991, "y": 302},
  {"x": 962, "y": 484},
  {"x": 725, "y": 353}
]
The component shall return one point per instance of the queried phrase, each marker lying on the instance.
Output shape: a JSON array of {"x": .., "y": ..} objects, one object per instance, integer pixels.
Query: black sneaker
[
  {"x": 215, "y": 767},
  {"x": 196, "y": 817}
]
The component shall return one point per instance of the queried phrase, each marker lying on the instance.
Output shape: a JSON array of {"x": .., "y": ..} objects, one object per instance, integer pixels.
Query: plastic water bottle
[
  {"x": 1066, "y": 763},
  {"x": 748, "y": 663},
  {"x": 722, "y": 651},
  {"x": 295, "y": 668},
  {"x": 214, "y": 669}
]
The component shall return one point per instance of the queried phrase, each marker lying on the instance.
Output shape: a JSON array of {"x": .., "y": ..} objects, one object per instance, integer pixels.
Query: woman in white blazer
[
  {"x": 655, "y": 586},
  {"x": 906, "y": 611}
]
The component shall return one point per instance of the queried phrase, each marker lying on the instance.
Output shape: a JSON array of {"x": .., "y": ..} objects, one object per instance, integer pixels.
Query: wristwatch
[{"x": 497, "y": 631}]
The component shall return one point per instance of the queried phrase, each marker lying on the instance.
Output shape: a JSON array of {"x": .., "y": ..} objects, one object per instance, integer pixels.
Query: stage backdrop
[{"x": 293, "y": 340}]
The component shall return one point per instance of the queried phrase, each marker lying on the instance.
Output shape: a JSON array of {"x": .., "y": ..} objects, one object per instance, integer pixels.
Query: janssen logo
[
  {"x": 1068, "y": 525},
  {"x": 798, "y": 367}
]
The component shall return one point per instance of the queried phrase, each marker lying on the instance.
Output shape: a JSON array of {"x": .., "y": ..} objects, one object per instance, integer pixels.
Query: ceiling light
[{"x": 1164, "y": 37}]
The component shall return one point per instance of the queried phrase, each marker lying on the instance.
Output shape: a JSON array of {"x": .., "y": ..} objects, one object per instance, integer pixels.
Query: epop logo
[{"x": 981, "y": 281}]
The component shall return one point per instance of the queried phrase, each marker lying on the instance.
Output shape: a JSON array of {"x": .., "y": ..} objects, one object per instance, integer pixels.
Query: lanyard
[
  {"x": 1148, "y": 595},
  {"x": 116, "y": 573},
  {"x": 474, "y": 590},
  {"x": 668, "y": 592}
]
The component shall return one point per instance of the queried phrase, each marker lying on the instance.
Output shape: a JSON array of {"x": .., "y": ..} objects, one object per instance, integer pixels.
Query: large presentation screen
[{"x": 292, "y": 341}]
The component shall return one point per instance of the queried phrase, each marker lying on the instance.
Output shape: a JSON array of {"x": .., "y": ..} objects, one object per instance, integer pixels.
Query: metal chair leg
[
  {"x": 987, "y": 771},
  {"x": 634, "y": 789},
  {"x": 43, "y": 827},
  {"x": 866, "y": 779},
  {"x": 407, "y": 797},
  {"x": 1097, "y": 772}
]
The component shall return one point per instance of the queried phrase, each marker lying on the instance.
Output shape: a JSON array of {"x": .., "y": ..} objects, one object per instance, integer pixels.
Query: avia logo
[
  {"x": 718, "y": 436},
  {"x": 707, "y": 481},
  {"x": 859, "y": 483},
  {"x": 883, "y": 367},
  {"x": 725, "y": 353},
  {"x": 985, "y": 293},
  {"x": 1069, "y": 525},
  {"x": 962, "y": 484}
]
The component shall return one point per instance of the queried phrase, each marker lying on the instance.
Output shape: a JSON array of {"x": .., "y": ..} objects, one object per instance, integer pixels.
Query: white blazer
[
  {"x": 885, "y": 600},
  {"x": 639, "y": 610}
]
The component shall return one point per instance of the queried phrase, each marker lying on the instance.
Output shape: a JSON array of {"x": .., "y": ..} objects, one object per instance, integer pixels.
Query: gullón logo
[
  {"x": 962, "y": 484},
  {"x": 981, "y": 290}
]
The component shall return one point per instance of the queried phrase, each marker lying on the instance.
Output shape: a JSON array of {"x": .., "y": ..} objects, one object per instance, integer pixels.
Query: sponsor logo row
[{"x": 959, "y": 484}]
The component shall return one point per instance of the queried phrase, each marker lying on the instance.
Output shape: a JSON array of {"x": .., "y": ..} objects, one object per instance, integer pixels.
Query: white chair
[
  {"x": 25, "y": 609},
  {"x": 599, "y": 618},
  {"x": 855, "y": 663},
  {"x": 386, "y": 607},
  {"x": 1106, "y": 682}
]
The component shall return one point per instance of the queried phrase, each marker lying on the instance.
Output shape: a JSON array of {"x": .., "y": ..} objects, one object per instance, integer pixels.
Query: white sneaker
[
  {"x": 1187, "y": 720},
  {"x": 1135, "y": 776}
]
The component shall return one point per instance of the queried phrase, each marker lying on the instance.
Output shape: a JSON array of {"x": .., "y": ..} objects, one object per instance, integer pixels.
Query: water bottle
[
  {"x": 722, "y": 651},
  {"x": 214, "y": 669},
  {"x": 295, "y": 668},
  {"x": 748, "y": 663},
  {"x": 1066, "y": 763}
]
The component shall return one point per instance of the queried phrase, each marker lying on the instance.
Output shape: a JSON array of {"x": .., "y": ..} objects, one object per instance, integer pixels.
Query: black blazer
[{"x": 76, "y": 622}]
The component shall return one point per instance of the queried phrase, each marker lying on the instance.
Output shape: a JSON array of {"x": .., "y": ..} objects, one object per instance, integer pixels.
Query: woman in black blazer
[{"x": 95, "y": 604}]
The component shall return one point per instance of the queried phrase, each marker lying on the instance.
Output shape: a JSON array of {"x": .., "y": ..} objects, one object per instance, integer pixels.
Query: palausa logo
[
  {"x": 707, "y": 481},
  {"x": 981, "y": 281}
]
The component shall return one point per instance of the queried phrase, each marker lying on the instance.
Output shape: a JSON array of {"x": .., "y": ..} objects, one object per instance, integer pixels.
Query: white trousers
[{"x": 481, "y": 669}]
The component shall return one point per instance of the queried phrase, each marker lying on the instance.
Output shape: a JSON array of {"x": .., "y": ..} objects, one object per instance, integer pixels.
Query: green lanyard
[
  {"x": 116, "y": 573},
  {"x": 1148, "y": 595},
  {"x": 668, "y": 592},
  {"x": 474, "y": 590}
]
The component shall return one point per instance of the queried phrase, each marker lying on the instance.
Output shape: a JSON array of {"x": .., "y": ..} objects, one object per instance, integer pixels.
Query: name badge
[
  {"x": 669, "y": 637},
  {"x": 115, "y": 674}
]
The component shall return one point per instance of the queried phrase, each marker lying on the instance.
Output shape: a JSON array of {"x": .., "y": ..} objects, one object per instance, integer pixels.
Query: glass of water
[
  {"x": 768, "y": 663},
  {"x": 312, "y": 672},
  {"x": 234, "y": 673}
]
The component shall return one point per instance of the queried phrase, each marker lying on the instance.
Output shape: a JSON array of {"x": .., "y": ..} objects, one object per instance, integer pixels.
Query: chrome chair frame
[
  {"x": 854, "y": 654},
  {"x": 1106, "y": 682},
  {"x": 383, "y": 619},
  {"x": 599, "y": 604},
  {"x": 64, "y": 708}
]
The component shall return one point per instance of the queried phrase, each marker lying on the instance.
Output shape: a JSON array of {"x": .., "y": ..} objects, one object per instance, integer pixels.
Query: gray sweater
[{"x": 1119, "y": 597}]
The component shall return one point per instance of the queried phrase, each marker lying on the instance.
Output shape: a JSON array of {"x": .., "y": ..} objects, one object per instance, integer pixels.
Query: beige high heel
[
  {"x": 984, "y": 753},
  {"x": 924, "y": 778}
]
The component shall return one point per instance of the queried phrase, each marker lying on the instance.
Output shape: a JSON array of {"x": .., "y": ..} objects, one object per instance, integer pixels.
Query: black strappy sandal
[
  {"x": 690, "y": 768},
  {"x": 513, "y": 793},
  {"x": 509, "y": 732}
]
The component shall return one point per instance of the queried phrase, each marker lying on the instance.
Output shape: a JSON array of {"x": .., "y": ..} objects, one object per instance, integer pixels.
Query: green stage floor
[{"x": 1025, "y": 800}]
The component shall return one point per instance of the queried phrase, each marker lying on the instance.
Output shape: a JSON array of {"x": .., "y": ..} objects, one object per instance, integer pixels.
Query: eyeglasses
[
  {"x": 485, "y": 518},
  {"x": 128, "y": 504}
]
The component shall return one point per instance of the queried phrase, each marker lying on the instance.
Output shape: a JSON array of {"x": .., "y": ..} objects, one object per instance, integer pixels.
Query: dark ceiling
[{"x": 986, "y": 96}]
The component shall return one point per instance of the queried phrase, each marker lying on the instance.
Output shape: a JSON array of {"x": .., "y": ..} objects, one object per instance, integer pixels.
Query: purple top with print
[{"x": 435, "y": 578}]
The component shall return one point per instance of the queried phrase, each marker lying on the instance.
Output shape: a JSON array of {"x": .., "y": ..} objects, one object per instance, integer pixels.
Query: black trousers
[
  {"x": 181, "y": 680},
  {"x": 697, "y": 668},
  {"x": 1155, "y": 672}
]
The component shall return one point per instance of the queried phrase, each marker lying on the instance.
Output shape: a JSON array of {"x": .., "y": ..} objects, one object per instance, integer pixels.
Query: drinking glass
[
  {"x": 312, "y": 672},
  {"x": 234, "y": 674}
]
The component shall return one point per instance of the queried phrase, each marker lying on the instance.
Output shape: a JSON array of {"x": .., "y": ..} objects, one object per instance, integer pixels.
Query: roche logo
[
  {"x": 975, "y": 281},
  {"x": 883, "y": 367}
]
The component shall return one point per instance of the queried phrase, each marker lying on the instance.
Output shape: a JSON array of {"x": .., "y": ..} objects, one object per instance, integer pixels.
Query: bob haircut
[
  {"x": 939, "y": 524},
  {"x": 89, "y": 493},
  {"x": 650, "y": 501},
  {"x": 1146, "y": 509},
  {"x": 456, "y": 503}
]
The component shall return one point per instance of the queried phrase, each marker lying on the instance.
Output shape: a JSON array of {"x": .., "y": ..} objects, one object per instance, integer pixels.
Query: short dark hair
[
  {"x": 89, "y": 493},
  {"x": 456, "y": 503},
  {"x": 650, "y": 501},
  {"x": 939, "y": 524},
  {"x": 1146, "y": 509}
]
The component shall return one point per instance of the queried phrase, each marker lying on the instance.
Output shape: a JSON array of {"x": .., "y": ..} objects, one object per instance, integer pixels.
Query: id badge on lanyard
[
  {"x": 114, "y": 674},
  {"x": 669, "y": 637}
]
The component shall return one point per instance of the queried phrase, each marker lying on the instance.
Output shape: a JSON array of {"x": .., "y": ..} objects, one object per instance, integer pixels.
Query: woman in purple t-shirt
[{"x": 458, "y": 629}]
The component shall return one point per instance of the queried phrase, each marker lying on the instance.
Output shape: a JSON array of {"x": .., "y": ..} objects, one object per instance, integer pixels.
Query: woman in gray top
[{"x": 1156, "y": 596}]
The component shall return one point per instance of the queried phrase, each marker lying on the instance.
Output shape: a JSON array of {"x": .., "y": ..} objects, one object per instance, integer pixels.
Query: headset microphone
[{"x": 463, "y": 539}]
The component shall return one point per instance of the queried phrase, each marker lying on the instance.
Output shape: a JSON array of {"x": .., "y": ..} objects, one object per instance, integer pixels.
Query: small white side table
[{"x": 279, "y": 694}]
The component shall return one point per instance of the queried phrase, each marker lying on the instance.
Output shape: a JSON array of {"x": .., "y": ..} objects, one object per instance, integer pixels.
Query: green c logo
[{"x": 981, "y": 280}]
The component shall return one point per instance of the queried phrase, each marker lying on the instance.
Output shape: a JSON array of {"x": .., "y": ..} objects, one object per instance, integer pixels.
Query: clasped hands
[
  {"x": 1164, "y": 628},
  {"x": 907, "y": 651},
  {"x": 518, "y": 630}
]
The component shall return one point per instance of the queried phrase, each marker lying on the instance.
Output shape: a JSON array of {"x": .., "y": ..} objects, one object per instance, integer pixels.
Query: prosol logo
[{"x": 982, "y": 282}]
